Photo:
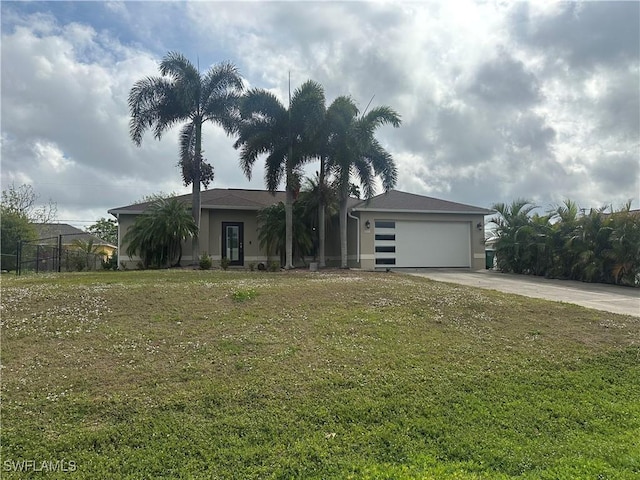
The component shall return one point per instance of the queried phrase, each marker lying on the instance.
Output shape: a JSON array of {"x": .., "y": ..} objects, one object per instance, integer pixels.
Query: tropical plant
[
  {"x": 512, "y": 224},
  {"x": 272, "y": 231},
  {"x": 353, "y": 151},
  {"x": 319, "y": 202},
  {"x": 624, "y": 252},
  {"x": 157, "y": 235},
  {"x": 288, "y": 138},
  {"x": 182, "y": 94},
  {"x": 600, "y": 246}
]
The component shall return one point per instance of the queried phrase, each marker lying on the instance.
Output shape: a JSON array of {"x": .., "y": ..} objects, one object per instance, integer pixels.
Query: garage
[
  {"x": 404, "y": 230},
  {"x": 422, "y": 244}
]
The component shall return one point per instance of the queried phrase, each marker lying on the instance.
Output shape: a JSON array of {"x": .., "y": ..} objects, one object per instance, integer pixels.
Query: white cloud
[{"x": 498, "y": 99}]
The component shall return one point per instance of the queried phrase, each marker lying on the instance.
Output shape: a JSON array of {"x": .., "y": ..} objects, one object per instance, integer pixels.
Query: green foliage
[
  {"x": 164, "y": 374},
  {"x": 224, "y": 263},
  {"x": 14, "y": 227},
  {"x": 353, "y": 150},
  {"x": 601, "y": 246},
  {"x": 289, "y": 138},
  {"x": 252, "y": 266},
  {"x": 205, "y": 261},
  {"x": 274, "y": 266},
  {"x": 157, "y": 235},
  {"x": 106, "y": 229},
  {"x": 111, "y": 263},
  {"x": 243, "y": 295},
  {"x": 272, "y": 230}
]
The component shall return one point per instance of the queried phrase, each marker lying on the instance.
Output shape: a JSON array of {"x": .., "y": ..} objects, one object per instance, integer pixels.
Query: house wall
[
  {"x": 211, "y": 234},
  {"x": 367, "y": 253},
  {"x": 332, "y": 243}
]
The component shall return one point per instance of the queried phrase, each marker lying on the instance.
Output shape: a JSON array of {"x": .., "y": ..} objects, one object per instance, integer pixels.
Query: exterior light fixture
[
  {"x": 479, "y": 226},
  {"x": 367, "y": 224}
]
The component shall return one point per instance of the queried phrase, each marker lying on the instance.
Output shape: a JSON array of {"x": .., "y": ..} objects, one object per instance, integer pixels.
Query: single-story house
[
  {"x": 392, "y": 230},
  {"x": 52, "y": 233}
]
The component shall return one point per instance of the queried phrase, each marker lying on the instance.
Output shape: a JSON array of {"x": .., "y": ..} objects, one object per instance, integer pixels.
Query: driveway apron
[{"x": 608, "y": 298}]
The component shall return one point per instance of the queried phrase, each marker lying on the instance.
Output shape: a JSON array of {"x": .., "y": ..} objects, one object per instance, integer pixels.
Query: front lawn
[{"x": 193, "y": 374}]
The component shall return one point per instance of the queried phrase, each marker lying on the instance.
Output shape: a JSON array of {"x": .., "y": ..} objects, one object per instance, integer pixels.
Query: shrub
[
  {"x": 205, "y": 261},
  {"x": 111, "y": 263},
  {"x": 274, "y": 266},
  {"x": 252, "y": 266},
  {"x": 224, "y": 263}
]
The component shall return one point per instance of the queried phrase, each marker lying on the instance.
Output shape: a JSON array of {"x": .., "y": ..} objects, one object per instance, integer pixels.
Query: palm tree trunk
[
  {"x": 195, "y": 192},
  {"x": 343, "y": 231},
  {"x": 321, "y": 215},
  {"x": 288, "y": 217},
  {"x": 321, "y": 234}
]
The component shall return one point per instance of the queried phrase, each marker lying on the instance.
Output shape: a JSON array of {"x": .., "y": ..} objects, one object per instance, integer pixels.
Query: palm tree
[
  {"x": 353, "y": 150},
  {"x": 182, "y": 94},
  {"x": 286, "y": 136},
  {"x": 272, "y": 230},
  {"x": 513, "y": 222},
  {"x": 336, "y": 119},
  {"x": 320, "y": 201},
  {"x": 157, "y": 235}
]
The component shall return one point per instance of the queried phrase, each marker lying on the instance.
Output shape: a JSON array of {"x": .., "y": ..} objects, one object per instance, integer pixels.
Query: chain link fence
[{"x": 55, "y": 254}]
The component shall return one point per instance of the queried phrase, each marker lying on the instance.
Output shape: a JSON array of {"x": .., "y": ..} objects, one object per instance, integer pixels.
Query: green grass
[{"x": 210, "y": 374}]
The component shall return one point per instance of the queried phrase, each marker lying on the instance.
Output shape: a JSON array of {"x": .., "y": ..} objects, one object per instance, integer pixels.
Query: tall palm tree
[
  {"x": 285, "y": 135},
  {"x": 354, "y": 151},
  {"x": 336, "y": 119},
  {"x": 182, "y": 94}
]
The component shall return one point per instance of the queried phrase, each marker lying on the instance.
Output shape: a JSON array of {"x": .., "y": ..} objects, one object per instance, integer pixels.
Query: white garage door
[{"x": 422, "y": 244}]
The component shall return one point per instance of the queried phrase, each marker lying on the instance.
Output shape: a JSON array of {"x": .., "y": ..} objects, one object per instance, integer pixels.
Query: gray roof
[
  {"x": 397, "y": 201},
  {"x": 219, "y": 198},
  {"x": 51, "y": 231},
  {"x": 240, "y": 199}
]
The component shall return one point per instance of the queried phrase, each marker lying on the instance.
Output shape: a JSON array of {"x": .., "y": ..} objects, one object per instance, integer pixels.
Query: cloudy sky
[{"x": 499, "y": 99}]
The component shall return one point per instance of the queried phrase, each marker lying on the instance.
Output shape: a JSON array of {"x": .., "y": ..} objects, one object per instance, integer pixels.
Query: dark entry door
[{"x": 233, "y": 242}]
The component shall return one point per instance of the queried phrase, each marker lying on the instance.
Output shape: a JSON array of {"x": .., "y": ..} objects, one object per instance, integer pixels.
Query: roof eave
[{"x": 396, "y": 210}]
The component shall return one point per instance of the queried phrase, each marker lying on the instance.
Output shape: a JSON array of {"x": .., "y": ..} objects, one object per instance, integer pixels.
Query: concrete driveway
[{"x": 609, "y": 298}]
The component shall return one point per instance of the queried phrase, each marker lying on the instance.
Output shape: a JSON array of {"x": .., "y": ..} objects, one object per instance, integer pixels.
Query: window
[
  {"x": 385, "y": 224},
  {"x": 385, "y": 261},
  {"x": 386, "y": 249},
  {"x": 380, "y": 236}
]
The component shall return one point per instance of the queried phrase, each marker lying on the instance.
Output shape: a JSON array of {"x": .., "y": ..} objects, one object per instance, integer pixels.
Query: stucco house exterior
[{"x": 391, "y": 230}]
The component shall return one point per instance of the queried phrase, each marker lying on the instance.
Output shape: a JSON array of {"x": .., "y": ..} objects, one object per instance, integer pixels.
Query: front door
[{"x": 233, "y": 242}]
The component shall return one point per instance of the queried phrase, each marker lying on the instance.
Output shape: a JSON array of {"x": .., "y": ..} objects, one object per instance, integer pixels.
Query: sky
[{"x": 499, "y": 100}]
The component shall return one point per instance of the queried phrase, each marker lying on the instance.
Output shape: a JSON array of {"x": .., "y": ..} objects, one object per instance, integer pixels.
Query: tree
[
  {"x": 182, "y": 94},
  {"x": 354, "y": 151},
  {"x": 23, "y": 200},
  {"x": 286, "y": 136},
  {"x": 512, "y": 222},
  {"x": 320, "y": 204},
  {"x": 106, "y": 229},
  {"x": 157, "y": 235},
  {"x": 272, "y": 230},
  {"x": 15, "y": 227}
]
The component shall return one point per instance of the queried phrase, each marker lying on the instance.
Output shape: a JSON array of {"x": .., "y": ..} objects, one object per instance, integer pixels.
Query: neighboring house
[
  {"x": 50, "y": 233},
  {"x": 391, "y": 230}
]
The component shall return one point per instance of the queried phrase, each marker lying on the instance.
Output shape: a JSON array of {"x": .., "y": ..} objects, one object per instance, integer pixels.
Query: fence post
[
  {"x": 59, "y": 252},
  {"x": 37, "y": 258},
  {"x": 18, "y": 257}
]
